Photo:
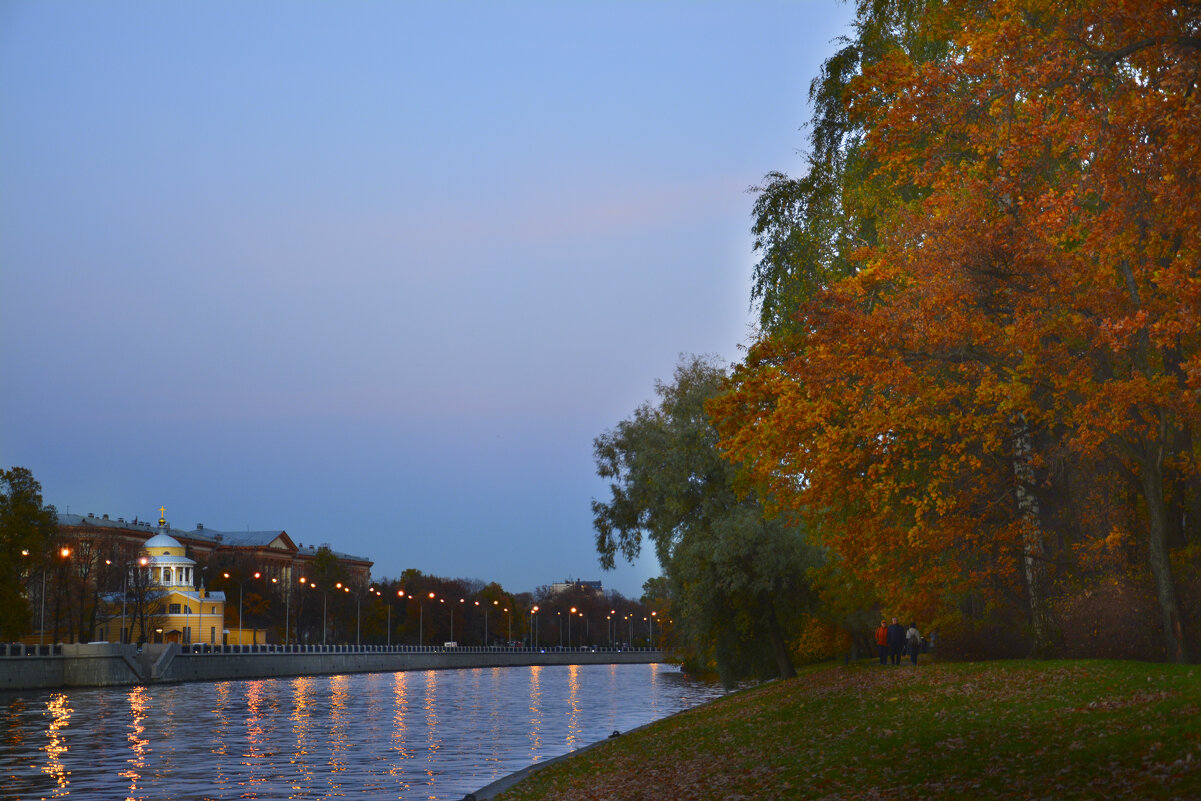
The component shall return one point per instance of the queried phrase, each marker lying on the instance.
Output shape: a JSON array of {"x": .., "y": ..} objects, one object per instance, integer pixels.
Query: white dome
[{"x": 161, "y": 541}]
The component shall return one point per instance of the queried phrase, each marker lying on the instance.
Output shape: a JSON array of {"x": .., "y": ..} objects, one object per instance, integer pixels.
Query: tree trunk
[
  {"x": 778, "y": 646},
  {"x": 1034, "y": 552},
  {"x": 1161, "y": 565}
]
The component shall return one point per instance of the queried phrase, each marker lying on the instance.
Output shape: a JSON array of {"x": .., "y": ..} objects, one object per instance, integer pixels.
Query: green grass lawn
[{"x": 1012, "y": 730}]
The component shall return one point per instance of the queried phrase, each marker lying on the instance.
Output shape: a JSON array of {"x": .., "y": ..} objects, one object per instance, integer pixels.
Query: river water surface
[{"x": 409, "y": 735}]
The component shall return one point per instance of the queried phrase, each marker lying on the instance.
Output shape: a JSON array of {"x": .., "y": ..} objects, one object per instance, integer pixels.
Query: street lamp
[
  {"x": 241, "y": 631},
  {"x": 300, "y": 628},
  {"x": 569, "y": 617},
  {"x": 358, "y": 612},
  {"x": 324, "y": 609},
  {"x": 534, "y": 627},
  {"x": 421, "y": 621},
  {"x": 64, "y": 552},
  {"x": 653, "y": 628},
  {"x": 287, "y": 607},
  {"x": 485, "y": 643}
]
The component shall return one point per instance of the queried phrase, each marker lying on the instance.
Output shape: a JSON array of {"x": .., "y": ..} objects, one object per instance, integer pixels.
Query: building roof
[
  {"x": 273, "y": 539},
  {"x": 162, "y": 541}
]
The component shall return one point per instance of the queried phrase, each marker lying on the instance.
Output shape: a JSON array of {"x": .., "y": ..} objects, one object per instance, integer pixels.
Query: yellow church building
[{"x": 182, "y": 613}]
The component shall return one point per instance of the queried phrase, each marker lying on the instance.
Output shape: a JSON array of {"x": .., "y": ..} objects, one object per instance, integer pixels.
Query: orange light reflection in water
[
  {"x": 139, "y": 746},
  {"x": 535, "y": 711},
  {"x": 573, "y": 702},
  {"x": 340, "y": 739},
  {"x": 222, "y": 732},
  {"x": 400, "y": 694},
  {"x": 431, "y": 724},
  {"x": 60, "y": 716},
  {"x": 253, "y": 755},
  {"x": 302, "y": 699}
]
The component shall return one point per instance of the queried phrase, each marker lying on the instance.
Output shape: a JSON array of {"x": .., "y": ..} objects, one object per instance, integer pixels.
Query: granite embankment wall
[{"x": 111, "y": 664}]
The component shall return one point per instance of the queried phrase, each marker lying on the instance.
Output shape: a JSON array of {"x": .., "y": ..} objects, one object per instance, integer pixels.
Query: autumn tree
[{"x": 1023, "y": 314}]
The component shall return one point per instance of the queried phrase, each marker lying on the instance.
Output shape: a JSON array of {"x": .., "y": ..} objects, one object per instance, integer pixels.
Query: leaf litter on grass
[{"x": 1000, "y": 730}]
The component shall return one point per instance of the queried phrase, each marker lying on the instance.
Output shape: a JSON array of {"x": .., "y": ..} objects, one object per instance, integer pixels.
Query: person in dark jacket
[
  {"x": 913, "y": 642},
  {"x": 896, "y": 641}
]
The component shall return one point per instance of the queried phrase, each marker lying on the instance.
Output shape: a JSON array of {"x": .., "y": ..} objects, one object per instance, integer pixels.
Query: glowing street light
[
  {"x": 241, "y": 631},
  {"x": 64, "y": 552}
]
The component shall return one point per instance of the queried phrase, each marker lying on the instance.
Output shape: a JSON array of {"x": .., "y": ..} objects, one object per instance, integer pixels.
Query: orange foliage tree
[{"x": 1025, "y": 312}]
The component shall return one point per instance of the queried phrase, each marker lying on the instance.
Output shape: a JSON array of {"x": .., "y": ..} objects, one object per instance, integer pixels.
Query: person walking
[
  {"x": 913, "y": 642},
  {"x": 896, "y": 641},
  {"x": 882, "y": 642}
]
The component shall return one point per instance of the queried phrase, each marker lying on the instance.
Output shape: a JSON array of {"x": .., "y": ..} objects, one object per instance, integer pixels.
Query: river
[{"x": 436, "y": 734}]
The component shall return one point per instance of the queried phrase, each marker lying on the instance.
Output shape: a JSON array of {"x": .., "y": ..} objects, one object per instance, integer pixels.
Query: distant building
[
  {"x": 273, "y": 552},
  {"x": 593, "y": 587}
]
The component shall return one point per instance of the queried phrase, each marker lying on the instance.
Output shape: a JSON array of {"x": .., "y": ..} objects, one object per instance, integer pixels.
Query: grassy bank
[{"x": 1012, "y": 730}]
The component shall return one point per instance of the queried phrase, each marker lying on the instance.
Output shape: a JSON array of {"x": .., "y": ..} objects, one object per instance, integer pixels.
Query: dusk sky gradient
[{"x": 377, "y": 273}]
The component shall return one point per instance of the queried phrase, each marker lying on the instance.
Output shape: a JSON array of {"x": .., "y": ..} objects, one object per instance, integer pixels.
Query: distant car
[{"x": 451, "y": 644}]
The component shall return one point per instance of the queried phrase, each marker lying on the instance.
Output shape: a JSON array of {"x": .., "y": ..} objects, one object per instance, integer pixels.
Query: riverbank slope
[{"x": 996, "y": 730}]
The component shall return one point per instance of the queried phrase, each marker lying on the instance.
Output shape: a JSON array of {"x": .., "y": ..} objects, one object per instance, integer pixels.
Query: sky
[{"x": 376, "y": 273}]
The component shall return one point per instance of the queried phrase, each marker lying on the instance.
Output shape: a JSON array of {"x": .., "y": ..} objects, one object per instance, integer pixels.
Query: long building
[{"x": 273, "y": 552}]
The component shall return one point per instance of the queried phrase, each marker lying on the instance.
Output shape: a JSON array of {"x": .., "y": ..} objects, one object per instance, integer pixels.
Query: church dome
[{"x": 161, "y": 541}]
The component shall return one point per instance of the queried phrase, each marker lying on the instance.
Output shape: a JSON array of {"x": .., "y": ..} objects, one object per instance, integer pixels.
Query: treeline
[
  {"x": 975, "y": 396},
  {"x": 63, "y": 588}
]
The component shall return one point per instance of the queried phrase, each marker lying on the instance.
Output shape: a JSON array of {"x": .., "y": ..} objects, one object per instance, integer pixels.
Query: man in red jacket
[{"x": 882, "y": 642}]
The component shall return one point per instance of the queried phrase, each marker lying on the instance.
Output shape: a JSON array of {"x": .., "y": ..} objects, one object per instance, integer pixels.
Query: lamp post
[
  {"x": 653, "y": 629},
  {"x": 509, "y": 620},
  {"x": 241, "y": 631},
  {"x": 299, "y": 628},
  {"x": 64, "y": 552},
  {"x": 358, "y": 609},
  {"x": 569, "y": 617},
  {"x": 324, "y": 610},
  {"x": 421, "y": 621},
  {"x": 287, "y": 607},
  {"x": 560, "y": 616},
  {"x": 400, "y": 593},
  {"x": 534, "y": 627}
]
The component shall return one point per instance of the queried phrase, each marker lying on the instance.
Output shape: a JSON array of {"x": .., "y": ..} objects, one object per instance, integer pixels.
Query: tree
[
  {"x": 27, "y": 531},
  {"x": 735, "y": 576},
  {"x": 1023, "y": 318}
]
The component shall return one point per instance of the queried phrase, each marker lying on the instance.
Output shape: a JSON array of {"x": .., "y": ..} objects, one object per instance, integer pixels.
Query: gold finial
[{"x": 162, "y": 515}]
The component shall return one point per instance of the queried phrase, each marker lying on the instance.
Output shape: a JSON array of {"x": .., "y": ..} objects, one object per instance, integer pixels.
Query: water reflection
[
  {"x": 56, "y": 742},
  {"x": 300, "y": 773},
  {"x": 139, "y": 745},
  {"x": 436, "y": 734},
  {"x": 573, "y": 707},
  {"x": 535, "y": 735}
]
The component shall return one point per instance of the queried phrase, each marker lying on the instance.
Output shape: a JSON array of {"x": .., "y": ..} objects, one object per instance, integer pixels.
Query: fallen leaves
[{"x": 994, "y": 731}]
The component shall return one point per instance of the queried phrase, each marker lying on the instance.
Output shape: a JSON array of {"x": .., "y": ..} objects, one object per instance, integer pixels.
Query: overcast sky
[{"x": 377, "y": 273}]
